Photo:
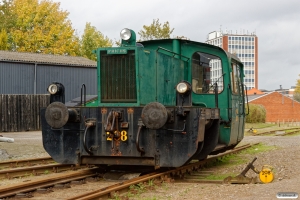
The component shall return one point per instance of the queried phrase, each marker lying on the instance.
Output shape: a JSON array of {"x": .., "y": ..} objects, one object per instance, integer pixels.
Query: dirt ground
[{"x": 284, "y": 158}]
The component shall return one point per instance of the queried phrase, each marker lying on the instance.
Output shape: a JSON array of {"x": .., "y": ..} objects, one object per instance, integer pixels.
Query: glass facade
[{"x": 244, "y": 47}]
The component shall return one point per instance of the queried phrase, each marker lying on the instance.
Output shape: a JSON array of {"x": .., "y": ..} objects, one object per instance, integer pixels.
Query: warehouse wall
[{"x": 24, "y": 78}]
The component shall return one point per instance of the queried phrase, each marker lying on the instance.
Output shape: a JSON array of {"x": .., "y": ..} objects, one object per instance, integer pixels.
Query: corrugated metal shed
[
  {"x": 46, "y": 59},
  {"x": 31, "y": 73}
]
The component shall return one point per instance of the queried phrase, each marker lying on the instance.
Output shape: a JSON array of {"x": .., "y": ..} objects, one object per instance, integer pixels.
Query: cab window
[
  {"x": 236, "y": 79},
  {"x": 206, "y": 71}
]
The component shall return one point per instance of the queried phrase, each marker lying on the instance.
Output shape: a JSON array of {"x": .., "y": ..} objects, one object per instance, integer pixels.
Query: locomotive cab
[{"x": 160, "y": 103}]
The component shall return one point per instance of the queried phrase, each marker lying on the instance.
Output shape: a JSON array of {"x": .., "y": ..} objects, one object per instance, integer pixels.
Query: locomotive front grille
[{"x": 118, "y": 77}]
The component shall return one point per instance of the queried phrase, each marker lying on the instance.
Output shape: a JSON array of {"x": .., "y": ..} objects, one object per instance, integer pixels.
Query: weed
[
  {"x": 129, "y": 194},
  {"x": 141, "y": 187},
  {"x": 293, "y": 134},
  {"x": 136, "y": 190},
  {"x": 186, "y": 190},
  {"x": 46, "y": 172},
  {"x": 258, "y": 125},
  {"x": 165, "y": 186},
  {"x": 150, "y": 182},
  {"x": 218, "y": 176},
  {"x": 258, "y": 149},
  {"x": 232, "y": 159},
  {"x": 237, "y": 159}
]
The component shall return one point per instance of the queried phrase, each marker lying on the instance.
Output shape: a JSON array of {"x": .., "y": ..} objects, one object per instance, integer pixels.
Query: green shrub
[{"x": 257, "y": 114}]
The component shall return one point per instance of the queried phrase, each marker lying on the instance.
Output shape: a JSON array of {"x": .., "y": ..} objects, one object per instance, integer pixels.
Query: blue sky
[{"x": 276, "y": 24}]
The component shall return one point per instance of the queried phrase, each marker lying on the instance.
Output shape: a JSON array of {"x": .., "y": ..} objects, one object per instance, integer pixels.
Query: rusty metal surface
[
  {"x": 27, "y": 162},
  {"x": 62, "y": 180},
  {"x": 57, "y": 115},
  {"x": 295, "y": 130},
  {"x": 116, "y": 160},
  {"x": 34, "y": 170},
  {"x": 240, "y": 180},
  {"x": 154, "y": 115},
  {"x": 28, "y": 187},
  {"x": 106, "y": 192}
]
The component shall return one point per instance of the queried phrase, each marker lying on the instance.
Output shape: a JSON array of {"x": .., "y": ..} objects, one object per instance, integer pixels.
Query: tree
[
  {"x": 156, "y": 31},
  {"x": 297, "y": 91},
  {"x": 93, "y": 39},
  {"x": 257, "y": 114},
  {"x": 7, "y": 18},
  {"x": 40, "y": 26},
  {"x": 3, "y": 40}
]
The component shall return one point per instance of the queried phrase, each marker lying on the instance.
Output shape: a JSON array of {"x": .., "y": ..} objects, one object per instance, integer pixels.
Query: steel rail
[
  {"x": 27, "y": 162},
  {"x": 107, "y": 191},
  {"x": 36, "y": 170},
  {"x": 288, "y": 133},
  {"x": 273, "y": 131},
  {"x": 28, "y": 187}
]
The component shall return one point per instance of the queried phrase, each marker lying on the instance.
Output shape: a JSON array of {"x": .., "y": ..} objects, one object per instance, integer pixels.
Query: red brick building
[
  {"x": 254, "y": 91},
  {"x": 279, "y": 108}
]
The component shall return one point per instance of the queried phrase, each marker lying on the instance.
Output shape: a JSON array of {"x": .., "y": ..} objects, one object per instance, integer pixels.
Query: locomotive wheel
[
  {"x": 57, "y": 114},
  {"x": 154, "y": 115}
]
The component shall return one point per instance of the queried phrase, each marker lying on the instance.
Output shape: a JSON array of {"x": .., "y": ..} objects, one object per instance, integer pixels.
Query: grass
[
  {"x": 258, "y": 149},
  {"x": 219, "y": 176},
  {"x": 228, "y": 160},
  {"x": 266, "y": 127},
  {"x": 135, "y": 191},
  {"x": 293, "y": 134},
  {"x": 237, "y": 159},
  {"x": 258, "y": 125}
]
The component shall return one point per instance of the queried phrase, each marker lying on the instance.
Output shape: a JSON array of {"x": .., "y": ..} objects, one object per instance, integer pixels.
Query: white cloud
[{"x": 276, "y": 23}]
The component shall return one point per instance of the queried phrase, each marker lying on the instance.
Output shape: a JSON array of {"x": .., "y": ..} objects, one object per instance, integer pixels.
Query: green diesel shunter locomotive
[{"x": 160, "y": 103}]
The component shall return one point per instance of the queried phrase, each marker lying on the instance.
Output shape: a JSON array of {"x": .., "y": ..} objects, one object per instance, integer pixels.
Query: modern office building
[{"x": 245, "y": 46}]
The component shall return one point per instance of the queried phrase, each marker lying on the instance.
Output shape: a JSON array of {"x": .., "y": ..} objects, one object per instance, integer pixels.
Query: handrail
[
  {"x": 83, "y": 90},
  {"x": 140, "y": 149},
  {"x": 247, "y": 100},
  {"x": 229, "y": 107},
  {"x": 167, "y": 50},
  {"x": 88, "y": 124},
  {"x": 216, "y": 95}
]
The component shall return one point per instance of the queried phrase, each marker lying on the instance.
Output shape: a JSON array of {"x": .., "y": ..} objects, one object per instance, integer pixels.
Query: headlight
[
  {"x": 125, "y": 34},
  {"x": 52, "y": 89},
  {"x": 182, "y": 88}
]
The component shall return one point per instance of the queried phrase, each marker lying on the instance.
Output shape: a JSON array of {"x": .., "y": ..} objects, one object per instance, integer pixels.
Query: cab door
[
  {"x": 237, "y": 124},
  {"x": 241, "y": 104}
]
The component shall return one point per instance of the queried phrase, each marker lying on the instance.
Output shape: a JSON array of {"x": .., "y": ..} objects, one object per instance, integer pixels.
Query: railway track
[
  {"x": 44, "y": 183},
  {"x": 33, "y": 167},
  {"x": 27, "y": 162},
  {"x": 283, "y": 132},
  {"x": 36, "y": 170}
]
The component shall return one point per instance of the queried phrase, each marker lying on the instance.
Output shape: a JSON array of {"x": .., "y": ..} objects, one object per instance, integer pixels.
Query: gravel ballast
[{"x": 284, "y": 158}]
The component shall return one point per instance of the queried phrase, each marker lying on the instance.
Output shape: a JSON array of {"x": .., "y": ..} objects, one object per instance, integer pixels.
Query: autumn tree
[
  {"x": 156, "y": 31},
  {"x": 93, "y": 39},
  {"x": 3, "y": 40},
  {"x": 40, "y": 26},
  {"x": 297, "y": 91},
  {"x": 7, "y": 21},
  {"x": 7, "y": 17}
]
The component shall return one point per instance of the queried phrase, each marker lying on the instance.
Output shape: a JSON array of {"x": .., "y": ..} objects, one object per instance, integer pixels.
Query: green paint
[{"x": 161, "y": 64}]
